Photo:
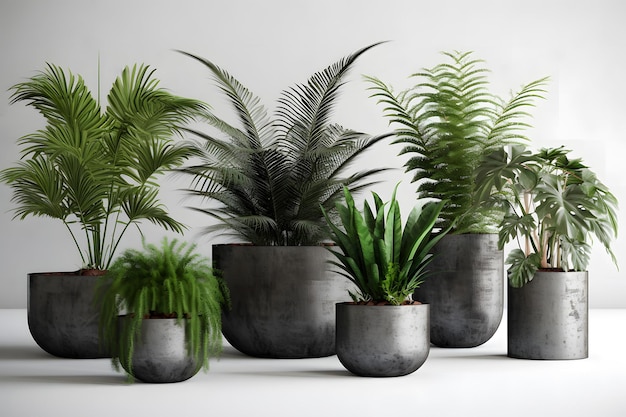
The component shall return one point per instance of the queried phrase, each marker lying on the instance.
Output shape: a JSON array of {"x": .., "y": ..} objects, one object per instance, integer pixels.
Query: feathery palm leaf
[
  {"x": 95, "y": 168},
  {"x": 270, "y": 175}
]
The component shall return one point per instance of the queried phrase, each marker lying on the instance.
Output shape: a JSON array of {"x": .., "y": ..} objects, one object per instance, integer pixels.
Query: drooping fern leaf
[
  {"x": 448, "y": 122},
  {"x": 167, "y": 281}
]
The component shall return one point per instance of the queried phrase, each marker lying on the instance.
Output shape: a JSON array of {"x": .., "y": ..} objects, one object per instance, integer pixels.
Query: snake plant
[{"x": 385, "y": 260}]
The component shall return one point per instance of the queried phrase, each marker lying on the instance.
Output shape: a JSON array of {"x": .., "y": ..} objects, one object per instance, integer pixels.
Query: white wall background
[{"x": 271, "y": 44}]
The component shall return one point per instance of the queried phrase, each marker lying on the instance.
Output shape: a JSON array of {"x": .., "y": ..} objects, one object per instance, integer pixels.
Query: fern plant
[
  {"x": 270, "y": 176},
  {"x": 448, "y": 121},
  {"x": 385, "y": 261},
  {"x": 555, "y": 207},
  {"x": 170, "y": 281},
  {"x": 96, "y": 170}
]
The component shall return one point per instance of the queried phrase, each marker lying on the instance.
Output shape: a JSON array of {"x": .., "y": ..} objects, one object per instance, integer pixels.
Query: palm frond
[
  {"x": 90, "y": 168},
  {"x": 270, "y": 175}
]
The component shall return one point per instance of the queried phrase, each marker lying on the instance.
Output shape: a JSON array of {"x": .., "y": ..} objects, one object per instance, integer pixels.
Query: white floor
[{"x": 453, "y": 382}]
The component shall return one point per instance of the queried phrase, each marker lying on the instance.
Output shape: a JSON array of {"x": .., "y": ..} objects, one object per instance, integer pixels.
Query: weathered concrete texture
[
  {"x": 161, "y": 355},
  {"x": 283, "y": 299},
  {"x": 548, "y": 317},
  {"x": 382, "y": 341},
  {"x": 63, "y": 315},
  {"x": 465, "y": 290}
]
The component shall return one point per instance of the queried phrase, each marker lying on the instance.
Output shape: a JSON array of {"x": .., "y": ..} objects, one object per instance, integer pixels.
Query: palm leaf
[{"x": 285, "y": 168}]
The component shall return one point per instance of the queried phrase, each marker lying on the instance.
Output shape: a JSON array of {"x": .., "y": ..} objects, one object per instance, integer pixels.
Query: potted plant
[
  {"x": 94, "y": 170},
  {"x": 383, "y": 332},
  {"x": 556, "y": 206},
  {"x": 270, "y": 177},
  {"x": 448, "y": 121},
  {"x": 161, "y": 312}
]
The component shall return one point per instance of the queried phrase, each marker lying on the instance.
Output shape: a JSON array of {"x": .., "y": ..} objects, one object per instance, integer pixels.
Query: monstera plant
[{"x": 556, "y": 207}]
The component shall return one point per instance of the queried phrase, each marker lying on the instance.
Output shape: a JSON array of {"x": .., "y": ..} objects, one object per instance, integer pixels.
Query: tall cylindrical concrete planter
[
  {"x": 465, "y": 290},
  {"x": 63, "y": 315},
  {"x": 548, "y": 317},
  {"x": 383, "y": 340},
  {"x": 283, "y": 299},
  {"x": 160, "y": 355}
]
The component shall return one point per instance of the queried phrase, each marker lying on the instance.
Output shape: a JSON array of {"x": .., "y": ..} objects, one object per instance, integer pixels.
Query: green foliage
[
  {"x": 167, "y": 281},
  {"x": 556, "y": 205},
  {"x": 385, "y": 262},
  {"x": 448, "y": 121},
  {"x": 96, "y": 170},
  {"x": 270, "y": 176}
]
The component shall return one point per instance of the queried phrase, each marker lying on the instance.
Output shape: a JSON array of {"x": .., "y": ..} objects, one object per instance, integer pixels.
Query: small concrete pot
[
  {"x": 382, "y": 341},
  {"x": 63, "y": 315},
  {"x": 548, "y": 317},
  {"x": 283, "y": 299},
  {"x": 160, "y": 356},
  {"x": 465, "y": 290}
]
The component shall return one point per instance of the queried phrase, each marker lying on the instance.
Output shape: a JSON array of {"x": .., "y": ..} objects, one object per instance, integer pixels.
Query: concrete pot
[
  {"x": 548, "y": 317},
  {"x": 283, "y": 299},
  {"x": 160, "y": 356},
  {"x": 465, "y": 290},
  {"x": 382, "y": 341},
  {"x": 63, "y": 315}
]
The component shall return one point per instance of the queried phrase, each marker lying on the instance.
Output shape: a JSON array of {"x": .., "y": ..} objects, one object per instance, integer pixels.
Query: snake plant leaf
[{"x": 385, "y": 260}]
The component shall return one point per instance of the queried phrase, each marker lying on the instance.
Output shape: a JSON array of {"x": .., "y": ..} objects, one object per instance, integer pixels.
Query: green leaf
[
  {"x": 522, "y": 267},
  {"x": 286, "y": 167}
]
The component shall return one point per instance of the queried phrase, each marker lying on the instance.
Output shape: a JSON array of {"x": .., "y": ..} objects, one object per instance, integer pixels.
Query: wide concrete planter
[
  {"x": 63, "y": 315},
  {"x": 465, "y": 290},
  {"x": 382, "y": 341},
  {"x": 548, "y": 317},
  {"x": 283, "y": 299},
  {"x": 160, "y": 355}
]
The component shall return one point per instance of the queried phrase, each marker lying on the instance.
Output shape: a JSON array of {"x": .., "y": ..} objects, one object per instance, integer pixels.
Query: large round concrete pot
[
  {"x": 548, "y": 317},
  {"x": 465, "y": 290},
  {"x": 283, "y": 299},
  {"x": 160, "y": 354},
  {"x": 63, "y": 315},
  {"x": 383, "y": 340}
]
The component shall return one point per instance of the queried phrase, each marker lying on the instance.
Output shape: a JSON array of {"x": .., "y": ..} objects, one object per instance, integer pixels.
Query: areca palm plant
[
  {"x": 448, "y": 121},
  {"x": 95, "y": 169},
  {"x": 555, "y": 206},
  {"x": 272, "y": 175}
]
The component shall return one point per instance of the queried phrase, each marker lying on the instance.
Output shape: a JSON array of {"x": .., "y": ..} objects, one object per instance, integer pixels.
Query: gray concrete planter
[
  {"x": 382, "y": 341},
  {"x": 160, "y": 356},
  {"x": 465, "y": 290},
  {"x": 63, "y": 315},
  {"x": 548, "y": 317},
  {"x": 283, "y": 299}
]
